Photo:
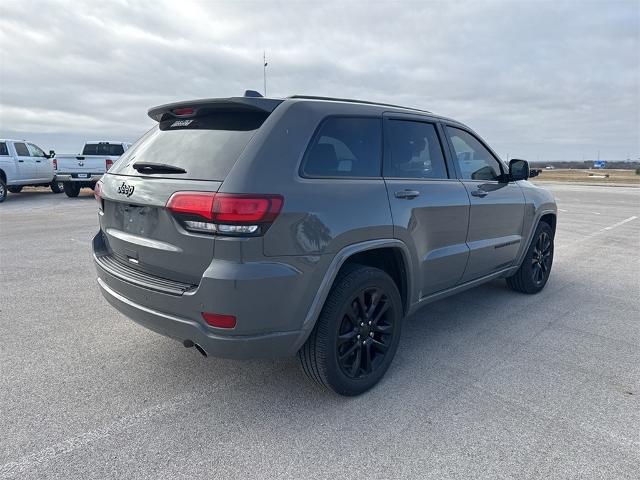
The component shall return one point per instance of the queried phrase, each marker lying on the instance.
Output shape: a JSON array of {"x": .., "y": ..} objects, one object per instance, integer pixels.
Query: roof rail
[{"x": 351, "y": 100}]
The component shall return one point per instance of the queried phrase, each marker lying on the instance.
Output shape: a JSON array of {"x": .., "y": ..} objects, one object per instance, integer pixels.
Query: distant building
[{"x": 599, "y": 164}]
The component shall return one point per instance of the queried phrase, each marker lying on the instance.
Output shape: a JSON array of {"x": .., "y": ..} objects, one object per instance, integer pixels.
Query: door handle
[
  {"x": 38, "y": 161},
  {"x": 20, "y": 161},
  {"x": 479, "y": 193},
  {"x": 408, "y": 194}
]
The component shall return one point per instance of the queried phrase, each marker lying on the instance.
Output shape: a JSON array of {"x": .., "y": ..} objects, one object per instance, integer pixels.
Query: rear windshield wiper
[{"x": 150, "y": 167}]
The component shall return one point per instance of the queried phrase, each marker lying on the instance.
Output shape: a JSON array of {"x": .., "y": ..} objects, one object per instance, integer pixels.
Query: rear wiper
[{"x": 149, "y": 167}]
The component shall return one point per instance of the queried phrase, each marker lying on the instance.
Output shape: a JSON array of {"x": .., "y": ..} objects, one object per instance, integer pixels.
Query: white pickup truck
[
  {"x": 25, "y": 164},
  {"x": 85, "y": 169}
]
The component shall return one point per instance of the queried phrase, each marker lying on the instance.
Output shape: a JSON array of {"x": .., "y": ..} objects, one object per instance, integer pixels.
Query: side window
[
  {"x": 21, "y": 150},
  {"x": 35, "y": 151},
  {"x": 415, "y": 151},
  {"x": 474, "y": 160},
  {"x": 345, "y": 147},
  {"x": 3, "y": 149}
]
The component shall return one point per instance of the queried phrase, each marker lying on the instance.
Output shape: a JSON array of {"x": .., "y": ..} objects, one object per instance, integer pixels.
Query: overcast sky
[{"x": 538, "y": 80}]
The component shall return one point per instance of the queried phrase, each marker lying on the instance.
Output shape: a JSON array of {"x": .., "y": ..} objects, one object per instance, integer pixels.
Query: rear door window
[
  {"x": 21, "y": 150},
  {"x": 103, "y": 149},
  {"x": 415, "y": 151},
  {"x": 345, "y": 147},
  {"x": 206, "y": 147},
  {"x": 3, "y": 149}
]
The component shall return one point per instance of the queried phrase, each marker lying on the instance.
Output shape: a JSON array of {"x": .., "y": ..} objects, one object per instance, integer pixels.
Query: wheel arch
[
  {"x": 377, "y": 253},
  {"x": 550, "y": 219},
  {"x": 3, "y": 176},
  {"x": 547, "y": 216}
]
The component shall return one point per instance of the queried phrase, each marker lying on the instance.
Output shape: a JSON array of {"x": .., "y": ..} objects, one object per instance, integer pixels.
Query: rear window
[
  {"x": 103, "y": 149},
  {"x": 3, "y": 149},
  {"x": 206, "y": 147},
  {"x": 345, "y": 147}
]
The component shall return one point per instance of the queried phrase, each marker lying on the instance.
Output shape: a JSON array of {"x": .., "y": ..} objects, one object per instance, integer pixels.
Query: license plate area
[
  {"x": 83, "y": 175},
  {"x": 136, "y": 219}
]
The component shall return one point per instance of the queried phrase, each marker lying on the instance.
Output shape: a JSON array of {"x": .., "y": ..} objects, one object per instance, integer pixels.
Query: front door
[
  {"x": 497, "y": 206},
  {"x": 44, "y": 169},
  {"x": 430, "y": 207}
]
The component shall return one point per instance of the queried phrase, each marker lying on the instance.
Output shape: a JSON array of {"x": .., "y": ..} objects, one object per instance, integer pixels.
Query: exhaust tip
[
  {"x": 188, "y": 343},
  {"x": 201, "y": 350}
]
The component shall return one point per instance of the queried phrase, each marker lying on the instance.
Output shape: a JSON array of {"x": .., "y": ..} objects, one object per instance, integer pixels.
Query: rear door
[
  {"x": 139, "y": 231},
  {"x": 26, "y": 163},
  {"x": 497, "y": 206},
  {"x": 430, "y": 207}
]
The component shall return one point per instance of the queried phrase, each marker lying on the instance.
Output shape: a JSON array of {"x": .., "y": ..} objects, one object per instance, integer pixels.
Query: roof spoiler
[{"x": 193, "y": 108}]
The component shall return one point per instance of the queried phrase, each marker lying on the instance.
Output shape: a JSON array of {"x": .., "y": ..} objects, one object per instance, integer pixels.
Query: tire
[
  {"x": 348, "y": 350},
  {"x": 15, "y": 188},
  {"x": 535, "y": 269},
  {"x": 56, "y": 187},
  {"x": 71, "y": 189},
  {"x": 3, "y": 190}
]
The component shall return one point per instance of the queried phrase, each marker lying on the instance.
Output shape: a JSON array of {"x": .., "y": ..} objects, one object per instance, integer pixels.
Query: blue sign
[{"x": 599, "y": 164}]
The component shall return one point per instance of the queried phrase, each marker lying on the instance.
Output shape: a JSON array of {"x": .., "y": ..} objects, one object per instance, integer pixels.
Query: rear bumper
[
  {"x": 269, "y": 299},
  {"x": 73, "y": 177},
  {"x": 271, "y": 345}
]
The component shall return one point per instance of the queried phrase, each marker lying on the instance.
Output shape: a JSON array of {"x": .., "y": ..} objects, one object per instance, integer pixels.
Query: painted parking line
[
  {"x": 597, "y": 232},
  {"x": 615, "y": 225}
]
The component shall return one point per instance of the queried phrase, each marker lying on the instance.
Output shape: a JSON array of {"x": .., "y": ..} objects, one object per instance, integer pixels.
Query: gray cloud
[{"x": 548, "y": 80}]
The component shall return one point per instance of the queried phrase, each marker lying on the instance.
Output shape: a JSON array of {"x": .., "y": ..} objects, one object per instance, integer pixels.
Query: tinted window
[
  {"x": 206, "y": 147},
  {"x": 103, "y": 149},
  {"x": 3, "y": 149},
  {"x": 35, "y": 151},
  {"x": 415, "y": 151},
  {"x": 345, "y": 147},
  {"x": 474, "y": 160},
  {"x": 21, "y": 149}
]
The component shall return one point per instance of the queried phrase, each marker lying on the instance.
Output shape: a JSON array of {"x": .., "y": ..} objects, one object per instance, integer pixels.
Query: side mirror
[
  {"x": 518, "y": 170},
  {"x": 52, "y": 153}
]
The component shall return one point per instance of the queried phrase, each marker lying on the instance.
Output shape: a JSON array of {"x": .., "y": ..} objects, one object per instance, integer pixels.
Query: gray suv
[{"x": 257, "y": 227}]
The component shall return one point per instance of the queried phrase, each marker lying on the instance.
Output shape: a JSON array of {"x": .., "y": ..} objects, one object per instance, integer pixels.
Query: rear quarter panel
[{"x": 319, "y": 216}]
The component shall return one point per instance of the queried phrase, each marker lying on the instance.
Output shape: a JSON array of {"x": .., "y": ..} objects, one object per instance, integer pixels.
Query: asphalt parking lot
[{"x": 486, "y": 384}]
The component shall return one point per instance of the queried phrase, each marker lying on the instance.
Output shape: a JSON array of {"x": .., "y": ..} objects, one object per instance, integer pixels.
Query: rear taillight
[
  {"x": 55, "y": 163},
  {"x": 225, "y": 213},
  {"x": 97, "y": 192},
  {"x": 108, "y": 164}
]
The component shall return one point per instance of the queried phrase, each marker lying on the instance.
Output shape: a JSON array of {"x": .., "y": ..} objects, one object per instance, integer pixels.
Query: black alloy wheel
[
  {"x": 541, "y": 258},
  {"x": 356, "y": 335},
  {"x": 365, "y": 333},
  {"x": 533, "y": 274}
]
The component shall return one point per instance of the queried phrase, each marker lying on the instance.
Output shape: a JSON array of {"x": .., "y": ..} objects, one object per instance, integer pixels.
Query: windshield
[{"x": 206, "y": 147}]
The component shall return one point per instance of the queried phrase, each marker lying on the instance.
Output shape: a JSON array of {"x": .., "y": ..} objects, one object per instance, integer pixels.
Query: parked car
[
  {"x": 24, "y": 164},
  {"x": 85, "y": 169},
  {"x": 257, "y": 227}
]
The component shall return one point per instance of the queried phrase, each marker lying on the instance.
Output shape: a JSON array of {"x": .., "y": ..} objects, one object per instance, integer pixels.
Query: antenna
[{"x": 264, "y": 71}]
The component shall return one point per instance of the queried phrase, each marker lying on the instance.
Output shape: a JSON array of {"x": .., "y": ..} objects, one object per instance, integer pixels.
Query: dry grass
[{"x": 589, "y": 176}]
